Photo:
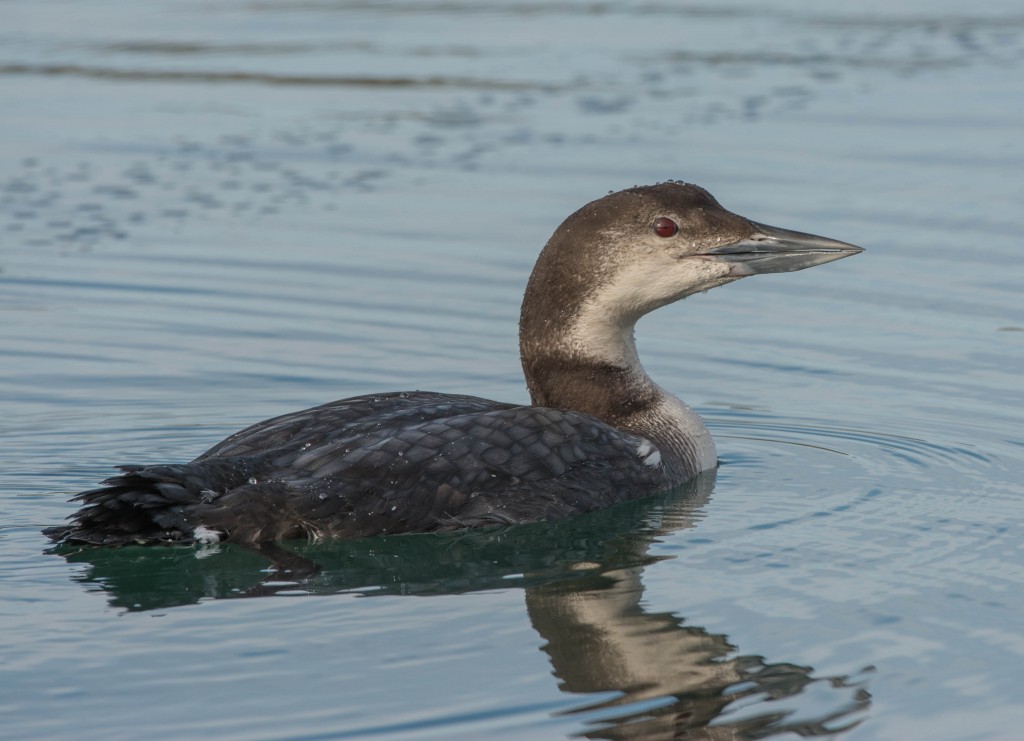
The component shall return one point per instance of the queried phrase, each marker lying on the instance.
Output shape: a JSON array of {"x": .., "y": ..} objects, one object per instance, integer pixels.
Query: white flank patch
[
  {"x": 650, "y": 455},
  {"x": 205, "y": 535}
]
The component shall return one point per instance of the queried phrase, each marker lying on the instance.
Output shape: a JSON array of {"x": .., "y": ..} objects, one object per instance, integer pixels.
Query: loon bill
[{"x": 599, "y": 430}]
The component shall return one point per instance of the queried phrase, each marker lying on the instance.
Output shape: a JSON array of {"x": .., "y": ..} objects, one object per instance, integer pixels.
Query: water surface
[{"x": 212, "y": 213}]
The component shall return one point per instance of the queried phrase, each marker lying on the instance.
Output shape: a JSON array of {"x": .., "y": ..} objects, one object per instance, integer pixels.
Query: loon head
[{"x": 628, "y": 253}]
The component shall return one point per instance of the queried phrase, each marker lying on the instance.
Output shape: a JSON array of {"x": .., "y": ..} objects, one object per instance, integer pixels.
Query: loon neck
[
  {"x": 579, "y": 358},
  {"x": 592, "y": 367}
]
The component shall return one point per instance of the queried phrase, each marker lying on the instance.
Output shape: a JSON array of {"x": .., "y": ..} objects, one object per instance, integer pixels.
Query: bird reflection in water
[
  {"x": 658, "y": 678},
  {"x": 668, "y": 680}
]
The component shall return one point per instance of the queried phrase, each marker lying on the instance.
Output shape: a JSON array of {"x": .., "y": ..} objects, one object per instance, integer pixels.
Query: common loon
[{"x": 599, "y": 430}]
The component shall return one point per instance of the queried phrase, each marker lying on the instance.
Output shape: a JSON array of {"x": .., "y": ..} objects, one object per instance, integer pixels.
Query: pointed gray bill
[{"x": 773, "y": 250}]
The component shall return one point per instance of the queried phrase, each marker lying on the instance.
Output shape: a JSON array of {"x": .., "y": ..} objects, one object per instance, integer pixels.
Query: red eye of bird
[{"x": 665, "y": 227}]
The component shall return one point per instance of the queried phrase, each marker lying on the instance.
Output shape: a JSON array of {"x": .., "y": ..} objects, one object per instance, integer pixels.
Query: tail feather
[{"x": 143, "y": 505}]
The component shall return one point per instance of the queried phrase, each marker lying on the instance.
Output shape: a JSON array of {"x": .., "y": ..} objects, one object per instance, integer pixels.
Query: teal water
[{"x": 212, "y": 213}]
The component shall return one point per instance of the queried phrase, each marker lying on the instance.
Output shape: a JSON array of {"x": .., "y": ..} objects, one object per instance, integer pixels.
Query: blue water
[{"x": 214, "y": 213}]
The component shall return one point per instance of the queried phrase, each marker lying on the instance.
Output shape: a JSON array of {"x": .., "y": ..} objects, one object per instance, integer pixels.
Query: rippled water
[{"x": 212, "y": 213}]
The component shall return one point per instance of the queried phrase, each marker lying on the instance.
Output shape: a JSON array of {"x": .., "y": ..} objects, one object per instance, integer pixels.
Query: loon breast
[{"x": 598, "y": 431}]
